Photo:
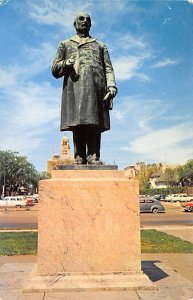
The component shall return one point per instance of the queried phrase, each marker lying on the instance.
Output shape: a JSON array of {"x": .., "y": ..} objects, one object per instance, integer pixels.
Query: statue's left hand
[
  {"x": 113, "y": 91},
  {"x": 70, "y": 62}
]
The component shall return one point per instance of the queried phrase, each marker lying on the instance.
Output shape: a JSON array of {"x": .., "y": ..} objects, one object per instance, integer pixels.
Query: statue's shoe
[
  {"x": 94, "y": 162},
  {"x": 80, "y": 161}
]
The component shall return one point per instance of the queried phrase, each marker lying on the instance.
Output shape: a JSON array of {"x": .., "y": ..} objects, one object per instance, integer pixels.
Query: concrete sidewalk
[
  {"x": 172, "y": 274},
  {"x": 169, "y": 283}
]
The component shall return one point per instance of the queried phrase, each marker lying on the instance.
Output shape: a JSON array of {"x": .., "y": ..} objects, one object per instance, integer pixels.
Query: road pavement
[
  {"x": 20, "y": 218},
  {"x": 28, "y": 218}
]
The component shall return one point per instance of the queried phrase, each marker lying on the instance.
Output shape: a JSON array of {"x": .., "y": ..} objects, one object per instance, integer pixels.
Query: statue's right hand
[{"x": 70, "y": 62}]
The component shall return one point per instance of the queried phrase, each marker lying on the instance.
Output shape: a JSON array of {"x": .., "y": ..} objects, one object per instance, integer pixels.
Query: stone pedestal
[{"x": 89, "y": 232}]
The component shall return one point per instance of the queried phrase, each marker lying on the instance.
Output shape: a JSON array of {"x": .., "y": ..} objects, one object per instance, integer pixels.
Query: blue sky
[{"x": 151, "y": 48}]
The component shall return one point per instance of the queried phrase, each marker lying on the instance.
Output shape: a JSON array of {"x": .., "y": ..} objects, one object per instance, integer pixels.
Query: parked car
[
  {"x": 35, "y": 198},
  {"x": 31, "y": 200},
  {"x": 188, "y": 206},
  {"x": 151, "y": 205},
  {"x": 171, "y": 197},
  {"x": 185, "y": 198},
  {"x": 14, "y": 201},
  {"x": 178, "y": 197}
]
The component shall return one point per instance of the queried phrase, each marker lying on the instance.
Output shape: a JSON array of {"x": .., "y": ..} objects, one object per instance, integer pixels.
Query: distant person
[{"x": 88, "y": 78}]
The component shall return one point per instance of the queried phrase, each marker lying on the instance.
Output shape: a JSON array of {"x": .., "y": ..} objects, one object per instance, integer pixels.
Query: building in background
[
  {"x": 159, "y": 179},
  {"x": 165, "y": 177},
  {"x": 64, "y": 158},
  {"x": 133, "y": 170}
]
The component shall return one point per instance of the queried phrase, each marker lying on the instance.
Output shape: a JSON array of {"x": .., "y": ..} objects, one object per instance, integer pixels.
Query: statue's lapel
[{"x": 77, "y": 39}]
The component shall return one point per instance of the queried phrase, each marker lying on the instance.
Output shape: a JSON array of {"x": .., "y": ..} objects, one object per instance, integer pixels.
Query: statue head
[{"x": 82, "y": 23}]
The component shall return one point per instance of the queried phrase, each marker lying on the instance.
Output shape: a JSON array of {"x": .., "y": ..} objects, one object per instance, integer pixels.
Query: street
[
  {"x": 19, "y": 218},
  {"x": 28, "y": 218},
  {"x": 174, "y": 217}
]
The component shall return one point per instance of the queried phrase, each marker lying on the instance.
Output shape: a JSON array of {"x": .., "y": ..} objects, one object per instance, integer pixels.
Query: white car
[
  {"x": 178, "y": 197},
  {"x": 13, "y": 201},
  {"x": 185, "y": 198},
  {"x": 35, "y": 198}
]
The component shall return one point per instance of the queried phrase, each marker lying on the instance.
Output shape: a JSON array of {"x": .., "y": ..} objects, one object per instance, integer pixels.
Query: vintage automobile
[
  {"x": 178, "y": 197},
  {"x": 188, "y": 206},
  {"x": 15, "y": 201},
  {"x": 150, "y": 205},
  {"x": 31, "y": 200}
]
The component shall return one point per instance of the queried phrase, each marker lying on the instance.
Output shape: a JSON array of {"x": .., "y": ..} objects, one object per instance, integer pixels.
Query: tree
[
  {"x": 145, "y": 172},
  {"x": 16, "y": 171},
  {"x": 171, "y": 176},
  {"x": 43, "y": 175},
  {"x": 186, "y": 174}
]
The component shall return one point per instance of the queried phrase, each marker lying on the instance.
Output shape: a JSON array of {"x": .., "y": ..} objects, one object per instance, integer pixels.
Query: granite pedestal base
[{"x": 89, "y": 232}]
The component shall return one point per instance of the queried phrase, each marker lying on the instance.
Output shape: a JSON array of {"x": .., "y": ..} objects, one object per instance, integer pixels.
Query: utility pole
[{"x": 4, "y": 190}]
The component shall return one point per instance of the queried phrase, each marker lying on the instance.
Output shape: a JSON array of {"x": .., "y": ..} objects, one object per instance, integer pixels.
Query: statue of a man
[{"x": 88, "y": 80}]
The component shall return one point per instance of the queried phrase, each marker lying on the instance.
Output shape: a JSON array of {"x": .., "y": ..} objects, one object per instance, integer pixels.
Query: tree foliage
[
  {"x": 171, "y": 176},
  {"x": 16, "y": 171},
  {"x": 186, "y": 174},
  {"x": 146, "y": 170},
  {"x": 177, "y": 179}
]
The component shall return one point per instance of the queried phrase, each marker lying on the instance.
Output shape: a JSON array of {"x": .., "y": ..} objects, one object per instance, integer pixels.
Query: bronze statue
[{"x": 88, "y": 88}]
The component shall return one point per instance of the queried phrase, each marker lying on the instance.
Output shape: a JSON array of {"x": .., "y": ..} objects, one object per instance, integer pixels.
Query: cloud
[
  {"x": 34, "y": 61},
  {"x": 3, "y": 2},
  {"x": 150, "y": 131},
  {"x": 175, "y": 142},
  {"x": 56, "y": 13},
  {"x": 165, "y": 62},
  {"x": 137, "y": 113},
  {"x": 131, "y": 117},
  {"x": 129, "y": 67},
  {"x": 163, "y": 138},
  {"x": 62, "y": 12},
  {"x": 130, "y": 41},
  {"x": 130, "y": 57},
  {"x": 190, "y": 1},
  {"x": 30, "y": 109},
  {"x": 39, "y": 58}
]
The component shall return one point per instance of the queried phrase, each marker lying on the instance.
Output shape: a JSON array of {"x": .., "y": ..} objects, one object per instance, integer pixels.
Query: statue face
[{"x": 82, "y": 22}]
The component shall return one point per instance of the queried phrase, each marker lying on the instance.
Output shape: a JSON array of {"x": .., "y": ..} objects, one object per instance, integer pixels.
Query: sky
[{"x": 151, "y": 49}]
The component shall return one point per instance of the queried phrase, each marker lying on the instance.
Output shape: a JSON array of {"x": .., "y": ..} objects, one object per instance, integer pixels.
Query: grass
[
  {"x": 18, "y": 243},
  {"x": 152, "y": 241}
]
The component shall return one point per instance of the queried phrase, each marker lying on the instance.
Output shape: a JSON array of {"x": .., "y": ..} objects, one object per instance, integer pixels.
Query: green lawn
[
  {"x": 18, "y": 243},
  {"x": 152, "y": 241}
]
